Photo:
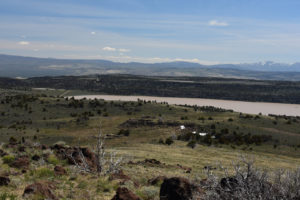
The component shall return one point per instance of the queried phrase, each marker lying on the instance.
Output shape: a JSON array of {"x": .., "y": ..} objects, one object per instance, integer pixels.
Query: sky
[{"x": 202, "y": 31}]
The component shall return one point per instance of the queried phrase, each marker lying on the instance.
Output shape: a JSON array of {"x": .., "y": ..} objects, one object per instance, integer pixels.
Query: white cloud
[
  {"x": 24, "y": 43},
  {"x": 124, "y": 50},
  {"x": 217, "y": 23},
  {"x": 108, "y": 49},
  {"x": 115, "y": 49},
  {"x": 93, "y": 33}
]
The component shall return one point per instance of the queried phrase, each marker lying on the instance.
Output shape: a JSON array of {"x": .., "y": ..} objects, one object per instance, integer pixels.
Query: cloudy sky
[{"x": 204, "y": 31}]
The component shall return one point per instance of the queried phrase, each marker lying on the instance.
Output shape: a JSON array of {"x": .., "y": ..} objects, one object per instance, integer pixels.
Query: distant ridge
[{"x": 21, "y": 66}]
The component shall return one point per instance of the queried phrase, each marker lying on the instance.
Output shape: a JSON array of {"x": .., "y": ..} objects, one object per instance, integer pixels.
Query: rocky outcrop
[
  {"x": 44, "y": 189},
  {"x": 125, "y": 194},
  {"x": 59, "y": 171},
  {"x": 176, "y": 188},
  {"x": 21, "y": 162}
]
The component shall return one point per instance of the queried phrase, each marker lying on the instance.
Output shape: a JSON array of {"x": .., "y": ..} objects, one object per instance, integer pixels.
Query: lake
[{"x": 238, "y": 106}]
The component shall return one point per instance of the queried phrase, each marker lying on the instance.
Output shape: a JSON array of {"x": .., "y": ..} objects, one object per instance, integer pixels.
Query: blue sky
[{"x": 203, "y": 31}]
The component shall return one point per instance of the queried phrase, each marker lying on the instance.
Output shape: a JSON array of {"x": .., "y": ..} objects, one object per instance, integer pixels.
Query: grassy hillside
[{"x": 136, "y": 131}]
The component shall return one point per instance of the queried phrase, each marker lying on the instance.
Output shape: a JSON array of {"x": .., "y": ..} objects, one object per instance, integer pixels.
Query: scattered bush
[
  {"x": 248, "y": 182},
  {"x": 13, "y": 140},
  {"x": 124, "y": 132},
  {"x": 82, "y": 185},
  {"x": 43, "y": 173},
  {"x": 103, "y": 185},
  {"x": 192, "y": 144},
  {"x": 161, "y": 141},
  {"x": 169, "y": 141},
  {"x": 52, "y": 159},
  {"x": 8, "y": 159},
  {"x": 7, "y": 196}
]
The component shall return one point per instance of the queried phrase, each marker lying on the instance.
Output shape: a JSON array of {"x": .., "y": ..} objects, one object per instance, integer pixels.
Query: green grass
[{"x": 61, "y": 124}]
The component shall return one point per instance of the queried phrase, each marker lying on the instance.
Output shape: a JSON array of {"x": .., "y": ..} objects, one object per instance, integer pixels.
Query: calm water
[{"x": 238, "y": 106}]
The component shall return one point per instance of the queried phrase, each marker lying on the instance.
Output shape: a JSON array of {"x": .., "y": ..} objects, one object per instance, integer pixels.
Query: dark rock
[
  {"x": 125, "y": 194},
  {"x": 208, "y": 167},
  {"x": 21, "y": 149},
  {"x": 21, "y": 163},
  {"x": 58, "y": 170},
  {"x": 152, "y": 161},
  {"x": 43, "y": 189},
  {"x": 36, "y": 157},
  {"x": 156, "y": 180},
  {"x": 4, "y": 181},
  {"x": 2, "y": 153},
  {"x": 176, "y": 188}
]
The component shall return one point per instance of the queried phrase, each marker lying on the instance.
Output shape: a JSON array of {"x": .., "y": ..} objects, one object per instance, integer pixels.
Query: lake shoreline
[{"x": 265, "y": 108}]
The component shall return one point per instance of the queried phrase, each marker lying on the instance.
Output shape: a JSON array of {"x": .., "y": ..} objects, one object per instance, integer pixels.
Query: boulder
[
  {"x": 21, "y": 163},
  {"x": 176, "y": 188},
  {"x": 36, "y": 157},
  {"x": 43, "y": 189},
  {"x": 4, "y": 180},
  {"x": 125, "y": 194},
  {"x": 59, "y": 170}
]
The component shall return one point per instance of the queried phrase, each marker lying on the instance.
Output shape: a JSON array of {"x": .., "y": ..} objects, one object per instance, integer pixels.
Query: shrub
[
  {"x": 8, "y": 159},
  {"x": 82, "y": 185},
  {"x": 103, "y": 185},
  {"x": 169, "y": 141},
  {"x": 213, "y": 126},
  {"x": 12, "y": 140},
  {"x": 44, "y": 173},
  {"x": 161, "y": 141},
  {"x": 52, "y": 159},
  {"x": 7, "y": 196},
  {"x": 184, "y": 118},
  {"x": 248, "y": 182},
  {"x": 124, "y": 132},
  {"x": 192, "y": 144}
]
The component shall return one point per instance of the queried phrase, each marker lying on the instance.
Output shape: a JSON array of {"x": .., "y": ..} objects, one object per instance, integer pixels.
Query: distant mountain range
[{"x": 19, "y": 66}]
